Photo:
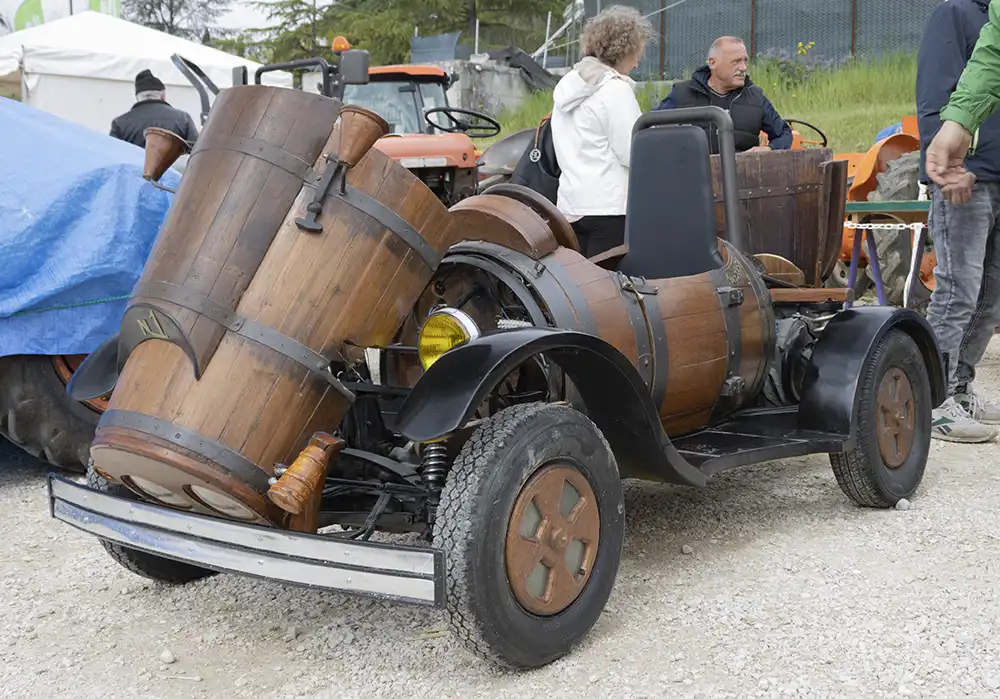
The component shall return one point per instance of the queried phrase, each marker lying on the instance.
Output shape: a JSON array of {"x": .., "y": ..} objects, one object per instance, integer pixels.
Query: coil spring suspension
[{"x": 434, "y": 465}]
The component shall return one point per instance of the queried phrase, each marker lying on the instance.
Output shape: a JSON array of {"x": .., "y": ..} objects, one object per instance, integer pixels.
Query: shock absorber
[{"x": 434, "y": 465}]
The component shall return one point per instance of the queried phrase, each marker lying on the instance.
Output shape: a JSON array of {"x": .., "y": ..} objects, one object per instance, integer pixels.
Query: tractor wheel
[
  {"x": 893, "y": 425},
  {"x": 38, "y": 415},
  {"x": 839, "y": 276},
  {"x": 532, "y": 523},
  {"x": 139, "y": 562},
  {"x": 897, "y": 183}
]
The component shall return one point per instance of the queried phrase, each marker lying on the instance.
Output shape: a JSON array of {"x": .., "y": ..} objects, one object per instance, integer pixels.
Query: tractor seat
[{"x": 670, "y": 214}]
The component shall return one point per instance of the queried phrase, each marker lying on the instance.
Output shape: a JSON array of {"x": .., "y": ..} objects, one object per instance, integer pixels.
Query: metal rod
[
  {"x": 753, "y": 28},
  {"x": 548, "y": 27},
  {"x": 854, "y": 26},
  {"x": 663, "y": 30},
  {"x": 476, "y": 49}
]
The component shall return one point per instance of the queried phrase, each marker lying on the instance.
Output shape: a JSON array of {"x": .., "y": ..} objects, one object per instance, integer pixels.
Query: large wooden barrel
[
  {"x": 243, "y": 304},
  {"x": 792, "y": 203},
  {"x": 702, "y": 344}
]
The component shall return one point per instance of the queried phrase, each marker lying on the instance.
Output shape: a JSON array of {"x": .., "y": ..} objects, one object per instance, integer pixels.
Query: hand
[
  {"x": 946, "y": 153},
  {"x": 961, "y": 191}
]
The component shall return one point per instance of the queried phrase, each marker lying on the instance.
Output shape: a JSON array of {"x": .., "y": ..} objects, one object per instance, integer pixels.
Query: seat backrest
[{"x": 670, "y": 216}]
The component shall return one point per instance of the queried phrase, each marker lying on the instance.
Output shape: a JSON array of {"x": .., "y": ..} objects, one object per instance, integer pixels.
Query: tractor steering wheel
[
  {"x": 491, "y": 128},
  {"x": 821, "y": 144}
]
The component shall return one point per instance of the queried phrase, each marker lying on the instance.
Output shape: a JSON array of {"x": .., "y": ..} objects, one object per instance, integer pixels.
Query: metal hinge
[
  {"x": 731, "y": 296},
  {"x": 733, "y": 386},
  {"x": 629, "y": 284}
]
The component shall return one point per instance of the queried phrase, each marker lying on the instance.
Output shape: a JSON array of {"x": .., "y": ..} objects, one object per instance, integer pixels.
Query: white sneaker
[
  {"x": 951, "y": 423},
  {"x": 978, "y": 408}
]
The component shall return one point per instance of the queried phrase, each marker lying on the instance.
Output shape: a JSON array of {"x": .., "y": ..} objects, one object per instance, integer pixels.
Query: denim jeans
[{"x": 964, "y": 309}]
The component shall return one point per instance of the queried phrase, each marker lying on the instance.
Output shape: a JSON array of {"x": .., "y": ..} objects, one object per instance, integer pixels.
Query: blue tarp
[{"x": 77, "y": 222}]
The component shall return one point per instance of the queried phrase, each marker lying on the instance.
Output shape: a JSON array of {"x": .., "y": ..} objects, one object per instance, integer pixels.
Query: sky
[{"x": 242, "y": 15}]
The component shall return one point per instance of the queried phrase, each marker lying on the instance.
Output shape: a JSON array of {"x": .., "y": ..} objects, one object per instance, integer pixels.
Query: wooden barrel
[
  {"x": 792, "y": 204},
  {"x": 702, "y": 344},
  {"x": 247, "y": 307}
]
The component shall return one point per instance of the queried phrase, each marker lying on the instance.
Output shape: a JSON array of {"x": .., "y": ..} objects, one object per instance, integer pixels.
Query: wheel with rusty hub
[
  {"x": 892, "y": 419},
  {"x": 531, "y": 520},
  {"x": 552, "y": 539}
]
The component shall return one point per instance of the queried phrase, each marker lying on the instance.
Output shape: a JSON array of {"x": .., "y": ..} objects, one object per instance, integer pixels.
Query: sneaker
[
  {"x": 951, "y": 423},
  {"x": 978, "y": 408}
]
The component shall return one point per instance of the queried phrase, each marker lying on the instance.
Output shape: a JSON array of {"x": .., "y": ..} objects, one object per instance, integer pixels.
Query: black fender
[
  {"x": 613, "y": 393},
  {"x": 97, "y": 374},
  {"x": 829, "y": 390}
]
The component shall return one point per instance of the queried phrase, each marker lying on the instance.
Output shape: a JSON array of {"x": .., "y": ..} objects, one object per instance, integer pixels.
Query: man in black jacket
[
  {"x": 724, "y": 82},
  {"x": 151, "y": 109}
]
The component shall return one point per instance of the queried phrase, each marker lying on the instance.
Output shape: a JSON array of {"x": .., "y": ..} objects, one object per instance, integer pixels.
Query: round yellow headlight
[{"x": 444, "y": 329}]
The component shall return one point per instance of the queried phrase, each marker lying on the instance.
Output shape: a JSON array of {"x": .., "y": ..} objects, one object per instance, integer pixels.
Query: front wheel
[
  {"x": 139, "y": 562},
  {"x": 892, "y": 422},
  {"x": 532, "y": 523}
]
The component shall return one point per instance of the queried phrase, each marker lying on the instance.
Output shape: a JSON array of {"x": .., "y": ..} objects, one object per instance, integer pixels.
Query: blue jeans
[{"x": 964, "y": 310}]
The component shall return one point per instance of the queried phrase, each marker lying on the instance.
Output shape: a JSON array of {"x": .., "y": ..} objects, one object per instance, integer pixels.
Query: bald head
[{"x": 727, "y": 61}]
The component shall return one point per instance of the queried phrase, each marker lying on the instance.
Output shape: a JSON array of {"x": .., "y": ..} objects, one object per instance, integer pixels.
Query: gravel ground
[{"x": 767, "y": 583}]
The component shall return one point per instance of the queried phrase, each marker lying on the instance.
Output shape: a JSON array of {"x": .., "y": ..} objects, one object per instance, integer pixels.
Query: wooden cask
[
  {"x": 702, "y": 344},
  {"x": 787, "y": 200},
  {"x": 247, "y": 306}
]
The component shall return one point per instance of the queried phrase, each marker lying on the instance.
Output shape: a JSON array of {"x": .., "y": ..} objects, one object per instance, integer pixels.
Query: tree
[
  {"x": 384, "y": 27},
  {"x": 189, "y": 19}
]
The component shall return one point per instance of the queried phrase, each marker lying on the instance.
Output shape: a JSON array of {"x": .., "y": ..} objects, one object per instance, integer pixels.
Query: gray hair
[
  {"x": 150, "y": 95},
  {"x": 615, "y": 33},
  {"x": 716, "y": 47}
]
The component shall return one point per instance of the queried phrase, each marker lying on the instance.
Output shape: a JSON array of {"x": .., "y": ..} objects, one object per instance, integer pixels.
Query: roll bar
[{"x": 727, "y": 157}]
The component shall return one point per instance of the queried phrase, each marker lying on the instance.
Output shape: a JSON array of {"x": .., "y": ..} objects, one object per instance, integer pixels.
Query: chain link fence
[{"x": 684, "y": 30}]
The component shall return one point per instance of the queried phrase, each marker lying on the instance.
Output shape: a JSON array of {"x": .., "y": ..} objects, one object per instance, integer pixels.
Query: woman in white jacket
[{"x": 594, "y": 111}]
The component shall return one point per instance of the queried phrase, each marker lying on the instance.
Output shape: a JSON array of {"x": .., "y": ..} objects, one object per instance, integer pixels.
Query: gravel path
[{"x": 788, "y": 590}]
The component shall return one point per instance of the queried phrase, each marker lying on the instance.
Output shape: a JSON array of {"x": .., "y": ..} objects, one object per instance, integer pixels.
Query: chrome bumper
[{"x": 382, "y": 571}]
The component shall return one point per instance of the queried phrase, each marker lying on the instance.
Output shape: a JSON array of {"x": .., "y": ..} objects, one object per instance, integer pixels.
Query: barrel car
[{"x": 320, "y": 356}]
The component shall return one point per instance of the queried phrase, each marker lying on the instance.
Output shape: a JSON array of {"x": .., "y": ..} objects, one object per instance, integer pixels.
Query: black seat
[{"x": 670, "y": 217}]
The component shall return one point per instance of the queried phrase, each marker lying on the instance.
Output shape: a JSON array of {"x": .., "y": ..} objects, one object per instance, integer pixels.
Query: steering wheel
[
  {"x": 821, "y": 144},
  {"x": 491, "y": 128}
]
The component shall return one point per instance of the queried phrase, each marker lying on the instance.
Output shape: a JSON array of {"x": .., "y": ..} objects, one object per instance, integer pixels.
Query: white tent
[{"x": 82, "y": 67}]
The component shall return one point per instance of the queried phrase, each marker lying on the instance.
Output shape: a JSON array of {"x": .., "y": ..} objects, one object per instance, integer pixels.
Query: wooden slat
[{"x": 820, "y": 295}]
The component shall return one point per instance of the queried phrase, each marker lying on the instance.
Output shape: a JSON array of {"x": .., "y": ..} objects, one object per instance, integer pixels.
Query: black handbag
[{"x": 538, "y": 168}]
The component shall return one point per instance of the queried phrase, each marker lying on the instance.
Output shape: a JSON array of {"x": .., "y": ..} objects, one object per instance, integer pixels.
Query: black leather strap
[
  {"x": 245, "y": 327},
  {"x": 261, "y": 150},
  {"x": 391, "y": 220}
]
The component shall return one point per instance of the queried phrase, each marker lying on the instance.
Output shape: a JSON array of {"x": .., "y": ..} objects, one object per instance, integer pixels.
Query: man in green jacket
[{"x": 975, "y": 98}]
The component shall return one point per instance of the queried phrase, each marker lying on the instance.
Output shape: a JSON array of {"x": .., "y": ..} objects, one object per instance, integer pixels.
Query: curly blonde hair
[{"x": 615, "y": 33}]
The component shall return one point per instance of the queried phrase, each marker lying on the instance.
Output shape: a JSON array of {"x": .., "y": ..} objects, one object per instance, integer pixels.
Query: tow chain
[{"x": 885, "y": 226}]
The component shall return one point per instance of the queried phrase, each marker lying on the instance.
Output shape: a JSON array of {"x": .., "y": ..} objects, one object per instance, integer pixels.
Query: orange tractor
[
  {"x": 888, "y": 171},
  {"x": 427, "y": 136}
]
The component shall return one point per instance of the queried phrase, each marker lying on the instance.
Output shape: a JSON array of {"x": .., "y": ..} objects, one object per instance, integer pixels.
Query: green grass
[{"x": 850, "y": 104}]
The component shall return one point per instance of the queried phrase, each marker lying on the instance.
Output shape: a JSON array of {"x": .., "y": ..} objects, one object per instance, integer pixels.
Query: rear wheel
[
  {"x": 38, "y": 415},
  {"x": 899, "y": 182},
  {"x": 139, "y": 562},
  {"x": 531, "y": 520},
  {"x": 893, "y": 426}
]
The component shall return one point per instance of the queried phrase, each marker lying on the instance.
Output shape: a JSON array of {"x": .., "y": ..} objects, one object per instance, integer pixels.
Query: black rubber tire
[
  {"x": 861, "y": 473},
  {"x": 471, "y": 527},
  {"x": 838, "y": 279},
  {"x": 899, "y": 182},
  {"x": 141, "y": 563},
  {"x": 38, "y": 415}
]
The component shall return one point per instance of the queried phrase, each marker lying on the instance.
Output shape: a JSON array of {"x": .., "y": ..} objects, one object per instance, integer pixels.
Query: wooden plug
[{"x": 294, "y": 491}]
